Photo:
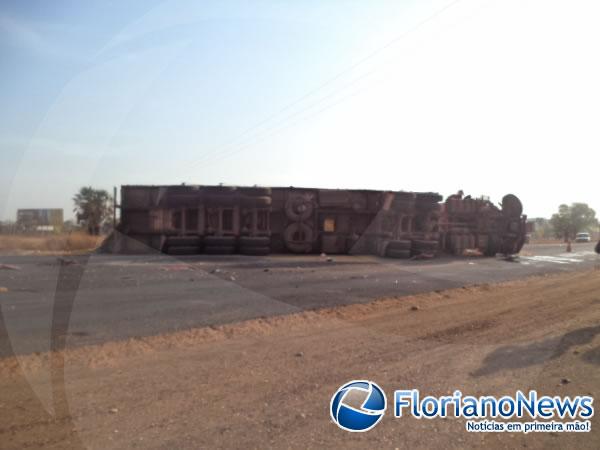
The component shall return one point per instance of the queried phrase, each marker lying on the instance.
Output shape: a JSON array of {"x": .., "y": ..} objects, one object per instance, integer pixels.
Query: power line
[
  {"x": 276, "y": 131},
  {"x": 243, "y": 145},
  {"x": 277, "y": 127}
]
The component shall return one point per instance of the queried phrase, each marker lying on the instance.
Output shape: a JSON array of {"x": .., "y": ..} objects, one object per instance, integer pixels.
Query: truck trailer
[{"x": 194, "y": 219}]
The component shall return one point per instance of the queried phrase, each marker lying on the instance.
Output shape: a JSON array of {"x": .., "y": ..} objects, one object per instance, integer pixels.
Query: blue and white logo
[{"x": 358, "y": 405}]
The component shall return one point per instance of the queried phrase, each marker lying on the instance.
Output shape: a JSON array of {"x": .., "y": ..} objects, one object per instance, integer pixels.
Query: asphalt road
[{"x": 92, "y": 299}]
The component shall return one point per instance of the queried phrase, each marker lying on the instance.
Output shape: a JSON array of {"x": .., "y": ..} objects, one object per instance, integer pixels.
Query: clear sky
[{"x": 486, "y": 96}]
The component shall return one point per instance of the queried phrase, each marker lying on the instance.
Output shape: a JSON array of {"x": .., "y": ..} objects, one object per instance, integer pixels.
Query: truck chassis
[{"x": 186, "y": 219}]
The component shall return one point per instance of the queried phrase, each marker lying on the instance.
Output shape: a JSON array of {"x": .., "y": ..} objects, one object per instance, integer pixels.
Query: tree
[
  {"x": 8, "y": 226},
  {"x": 573, "y": 219},
  {"x": 92, "y": 207},
  {"x": 542, "y": 228},
  {"x": 69, "y": 226}
]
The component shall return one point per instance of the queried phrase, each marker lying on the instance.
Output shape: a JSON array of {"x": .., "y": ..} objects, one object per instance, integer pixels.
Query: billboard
[{"x": 47, "y": 219}]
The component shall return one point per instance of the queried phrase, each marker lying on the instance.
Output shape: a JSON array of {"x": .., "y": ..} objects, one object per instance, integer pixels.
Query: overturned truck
[{"x": 261, "y": 220}]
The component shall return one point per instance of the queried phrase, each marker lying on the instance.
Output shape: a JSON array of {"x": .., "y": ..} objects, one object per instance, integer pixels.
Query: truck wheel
[
  {"x": 399, "y": 245},
  {"x": 299, "y": 207},
  {"x": 418, "y": 244},
  {"x": 255, "y": 251},
  {"x": 176, "y": 241},
  {"x": 511, "y": 206},
  {"x": 493, "y": 246},
  {"x": 262, "y": 241},
  {"x": 219, "y": 250},
  {"x": 298, "y": 237},
  {"x": 218, "y": 241},
  {"x": 400, "y": 254},
  {"x": 183, "y": 250}
]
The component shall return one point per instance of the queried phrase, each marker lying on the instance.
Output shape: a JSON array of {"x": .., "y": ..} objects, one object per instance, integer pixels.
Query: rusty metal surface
[{"x": 225, "y": 219}]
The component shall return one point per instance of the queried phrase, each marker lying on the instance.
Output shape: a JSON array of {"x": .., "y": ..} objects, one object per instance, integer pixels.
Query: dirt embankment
[
  {"x": 51, "y": 244},
  {"x": 266, "y": 383}
]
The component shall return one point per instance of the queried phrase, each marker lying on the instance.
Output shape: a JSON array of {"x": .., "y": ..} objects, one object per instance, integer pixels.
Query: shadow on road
[{"x": 519, "y": 356}]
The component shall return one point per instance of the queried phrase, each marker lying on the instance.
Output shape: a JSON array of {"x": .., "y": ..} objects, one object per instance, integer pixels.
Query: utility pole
[{"x": 114, "y": 207}]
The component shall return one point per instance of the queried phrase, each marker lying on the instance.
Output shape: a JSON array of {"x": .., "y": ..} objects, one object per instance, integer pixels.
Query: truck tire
[
  {"x": 493, "y": 246},
  {"x": 261, "y": 241},
  {"x": 255, "y": 251},
  {"x": 298, "y": 237},
  {"x": 403, "y": 244},
  {"x": 219, "y": 250},
  {"x": 176, "y": 241},
  {"x": 511, "y": 206},
  {"x": 418, "y": 244},
  {"x": 400, "y": 254},
  {"x": 218, "y": 241},
  {"x": 420, "y": 247},
  {"x": 184, "y": 250},
  {"x": 299, "y": 207}
]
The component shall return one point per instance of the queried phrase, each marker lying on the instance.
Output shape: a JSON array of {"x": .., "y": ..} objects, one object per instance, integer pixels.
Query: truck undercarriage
[{"x": 261, "y": 220}]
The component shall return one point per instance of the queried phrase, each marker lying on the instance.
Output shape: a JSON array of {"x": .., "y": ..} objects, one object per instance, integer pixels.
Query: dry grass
[
  {"x": 534, "y": 240},
  {"x": 51, "y": 243}
]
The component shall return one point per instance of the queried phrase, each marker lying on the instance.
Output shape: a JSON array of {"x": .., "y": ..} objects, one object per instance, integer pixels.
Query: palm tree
[{"x": 92, "y": 207}]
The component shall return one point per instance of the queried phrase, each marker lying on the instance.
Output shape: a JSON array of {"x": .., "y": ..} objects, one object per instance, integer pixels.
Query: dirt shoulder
[
  {"x": 267, "y": 383},
  {"x": 49, "y": 244}
]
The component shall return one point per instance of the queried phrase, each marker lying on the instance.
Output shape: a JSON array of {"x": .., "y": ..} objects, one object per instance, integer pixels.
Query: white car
[{"x": 583, "y": 237}]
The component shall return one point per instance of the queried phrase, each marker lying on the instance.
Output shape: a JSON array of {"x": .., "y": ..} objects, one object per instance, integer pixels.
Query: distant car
[{"x": 583, "y": 237}]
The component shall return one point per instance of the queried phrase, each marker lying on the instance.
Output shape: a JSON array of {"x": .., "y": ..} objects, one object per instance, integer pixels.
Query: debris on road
[
  {"x": 176, "y": 267},
  {"x": 423, "y": 256},
  {"x": 341, "y": 341},
  {"x": 3, "y": 289},
  {"x": 65, "y": 261},
  {"x": 9, "y": 267}
]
